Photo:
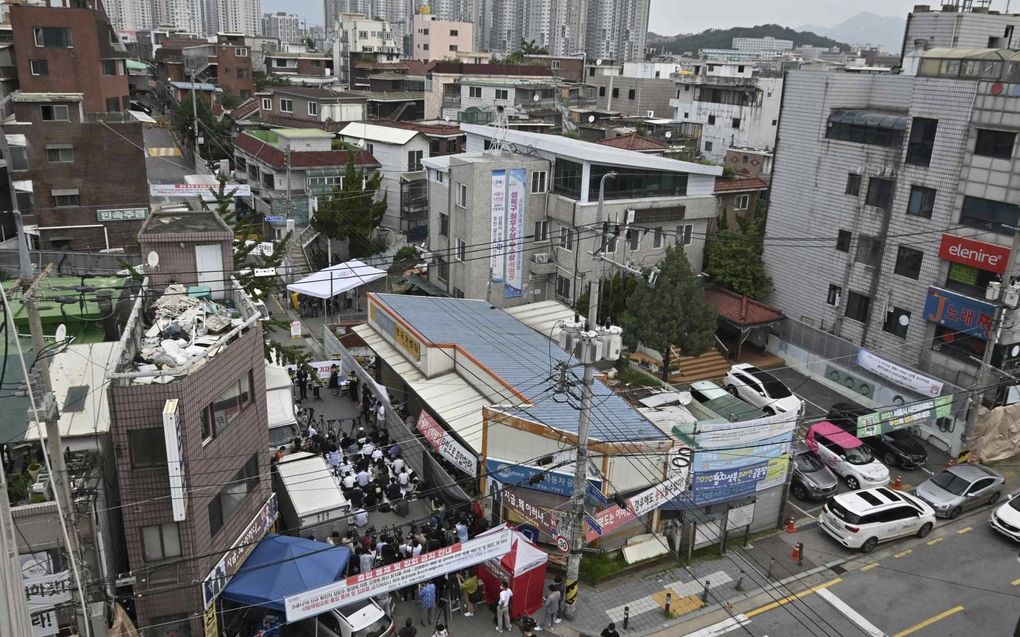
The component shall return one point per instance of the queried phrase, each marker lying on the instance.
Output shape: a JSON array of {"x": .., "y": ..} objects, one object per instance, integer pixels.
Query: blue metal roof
[{"x": 523, "y": 358}]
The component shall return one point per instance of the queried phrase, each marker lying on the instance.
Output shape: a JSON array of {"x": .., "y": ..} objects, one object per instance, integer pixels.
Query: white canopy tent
[{"x": 335, "y": 280}]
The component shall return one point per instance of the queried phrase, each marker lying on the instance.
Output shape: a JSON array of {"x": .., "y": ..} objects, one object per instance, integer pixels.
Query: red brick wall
[
  {"x": 143, "y": 491},
  {"x": 71, "y": 70},
  {"x": 228, "y": 65}
]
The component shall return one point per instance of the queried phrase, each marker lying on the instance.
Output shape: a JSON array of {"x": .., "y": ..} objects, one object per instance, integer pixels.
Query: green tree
[
  {"x": 218, "y": 144},
  {"x": 530, "y": 47},
  {"x": 735, "y": 260},
  {"x": 247, "y": 230},
  {"x": 671, "y": 314},
  {"x": 613, "y": 295},
  {"x": 352, "y": 213}
]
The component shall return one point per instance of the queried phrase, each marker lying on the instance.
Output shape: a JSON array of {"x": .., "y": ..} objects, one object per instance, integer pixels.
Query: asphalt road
[
  {"x": 962, "y": 580},
  {"x": 168, "y": 168}
]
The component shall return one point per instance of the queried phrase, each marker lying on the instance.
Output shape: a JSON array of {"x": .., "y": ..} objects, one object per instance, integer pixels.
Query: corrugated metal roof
[
  {"x": 542, "y": 316},
  {"x": 523, "y": 358},
  {"x": 456, "y": 402},
  {"x": 381, "y": 134}
]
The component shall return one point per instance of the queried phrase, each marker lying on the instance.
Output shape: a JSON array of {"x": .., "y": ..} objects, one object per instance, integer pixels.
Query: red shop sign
[{"x": 977, "y": 254}]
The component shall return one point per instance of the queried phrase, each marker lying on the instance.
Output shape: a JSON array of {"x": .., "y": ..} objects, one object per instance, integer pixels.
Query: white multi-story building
[
  {"x": 129, "y": 15},
  {"x": 243, "y": 17},
  {"x": 957, "y": 25},
  {"x": 735, "y": 105},
  {"x": 763, "y": 48},
  {"x": 285, "y": 27},
  {"x": 358, "y": 36},
  {"x": 908, "y": 187}
]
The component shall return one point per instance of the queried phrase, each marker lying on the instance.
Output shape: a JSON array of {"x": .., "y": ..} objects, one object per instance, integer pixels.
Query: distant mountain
[
  {"x": 866, "y": 28},
  {"x": 723, "y": 38}
]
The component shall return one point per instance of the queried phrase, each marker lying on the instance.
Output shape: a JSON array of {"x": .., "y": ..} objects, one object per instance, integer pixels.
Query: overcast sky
[
  {"x": 689, "y": 16},
  {"x": 669, "y": 17}
]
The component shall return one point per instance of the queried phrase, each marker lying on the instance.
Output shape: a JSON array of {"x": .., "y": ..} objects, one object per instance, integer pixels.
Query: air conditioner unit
[
  {"x": 541, "y": 257},
  {"x": 649, "y": 113}
]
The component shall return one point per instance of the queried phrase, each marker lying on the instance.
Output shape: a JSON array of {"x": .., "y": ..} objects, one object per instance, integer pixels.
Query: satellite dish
[
  {"x": 152, "y": 259},
  {"x": 360, "y": 143},
  {"x": 536, "y": 97},
  {"x": 61, "y": 333},
  {"x": 669, "y": 134},
  {"x": 447, "y": 118},
  {"x": 591, "y": 119},
  {"x": 598, "y": 62}
]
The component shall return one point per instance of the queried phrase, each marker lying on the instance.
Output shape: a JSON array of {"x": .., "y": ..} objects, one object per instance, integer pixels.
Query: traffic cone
[
  {"x": 790, "y": 524},
  {"x": 898, "y": 483},
  {"x": 795, "y": 554}
]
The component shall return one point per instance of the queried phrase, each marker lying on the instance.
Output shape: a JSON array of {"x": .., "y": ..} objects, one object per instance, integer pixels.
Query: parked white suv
[
  {"x": 761, "y": 389},
  {"x": 862, "y": 519}
]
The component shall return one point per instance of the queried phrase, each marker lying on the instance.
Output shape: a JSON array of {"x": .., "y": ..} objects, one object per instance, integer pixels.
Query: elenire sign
[
  {"x": 396, "y": 576},
  {"x": 220, "y": 575}
]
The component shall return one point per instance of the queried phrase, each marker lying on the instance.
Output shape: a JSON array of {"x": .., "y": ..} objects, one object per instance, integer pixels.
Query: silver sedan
[{"x": 958, "y": 488}]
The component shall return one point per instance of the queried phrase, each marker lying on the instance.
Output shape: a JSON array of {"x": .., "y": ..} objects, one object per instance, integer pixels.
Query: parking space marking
[
  {"x": 903, "y": 553},
  {"x": 727, "y": 625},
  {"x": 806, "y": 513},
  {"x": 867, "y": 627},
  {"x": 966, "y": 529},
  {"x": 935, "y": 541},
  {"x": 868, "y": 567},
  {"x": 927, "y": 470},
  {"x": 790, "y": 598},
  {"x": 928, "y": 622}
]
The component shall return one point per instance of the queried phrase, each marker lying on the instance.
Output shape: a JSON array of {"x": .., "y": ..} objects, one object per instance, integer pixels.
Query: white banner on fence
[
  {"x": 497, "y": 236},
  {"x": 196, "y": 190},
  {"x": 400, "y": 575},
  {"x": 737, "y": 434},
  {"x": 902, "y": 376},
  {"x": 516, "y": 195}
]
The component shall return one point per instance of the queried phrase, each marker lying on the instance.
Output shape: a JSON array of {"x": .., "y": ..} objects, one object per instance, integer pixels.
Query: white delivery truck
[
  {"x": 311, "y": 502},
  {"x": 283, "y": 427}
]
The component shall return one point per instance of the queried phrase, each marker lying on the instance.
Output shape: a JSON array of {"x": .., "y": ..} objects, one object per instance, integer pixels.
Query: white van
[
  {"x": 283, "y": 426},
  {"x": 361, "y": 619}
]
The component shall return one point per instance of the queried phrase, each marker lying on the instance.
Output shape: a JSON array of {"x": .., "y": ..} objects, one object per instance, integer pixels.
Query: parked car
[
  {"x": 960, "y": 487},
  {"x": 139, "y": 106},
  {"x": 1006, "y": 519},
  {"x": 862, "y": 519},
  {"x": 361, "y": 619},
  {"x": 898, "y": 448},
  {"x": 761, "y": 389},
  {"x": 811, "y": 478},
  {"x": 846, "y": 455}
]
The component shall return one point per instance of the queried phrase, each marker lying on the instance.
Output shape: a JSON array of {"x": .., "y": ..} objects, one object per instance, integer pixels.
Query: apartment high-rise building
[
  {"x": 433, "y": 39},
  {"x": 129, "y": 15},
  {"x": 188, "y": 16},
  {"x": 286, "y": 27},
  {"x": 242, "y": 17},
  {"x": 907, "y": 187},
  {"x": 616, "y": 29}
]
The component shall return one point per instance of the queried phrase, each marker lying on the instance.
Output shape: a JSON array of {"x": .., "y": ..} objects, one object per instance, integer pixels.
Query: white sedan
[
  {"x": 1006, "y": 518},
  {"x": 761, "y": 389}
]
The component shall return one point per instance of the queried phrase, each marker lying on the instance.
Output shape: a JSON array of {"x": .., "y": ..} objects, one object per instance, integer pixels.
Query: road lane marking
[
  {"x": 869, "y": 629},
  {"x": 903, "y": 553},
  {"x": 928, "y": 622},
  {"x": 790, "y": 598},
  {"x": 966, "y": 529},
  {"x": 171, "y": 151},
  {"x": 1015, "y": 582},
  {"x": 935, "y": 541},
  {"x": 723, "y": 627},
  {"x": 868, "y": 567}
]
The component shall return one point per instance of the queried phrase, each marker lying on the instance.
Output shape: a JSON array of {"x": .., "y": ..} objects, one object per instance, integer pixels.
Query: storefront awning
[{"x": 449, "y": 396}]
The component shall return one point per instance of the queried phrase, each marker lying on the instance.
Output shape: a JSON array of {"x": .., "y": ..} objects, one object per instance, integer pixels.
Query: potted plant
[{"x": 33, "y": 470}]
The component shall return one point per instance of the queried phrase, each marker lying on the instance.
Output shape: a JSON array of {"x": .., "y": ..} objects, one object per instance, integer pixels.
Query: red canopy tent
[{"x": 524, "y": 567}]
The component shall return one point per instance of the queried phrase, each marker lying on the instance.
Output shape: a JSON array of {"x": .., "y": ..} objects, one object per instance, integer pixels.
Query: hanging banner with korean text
[
  {"x": 397, "y": 576},
  {"x": 497, "y": 232},
  {"x": 514, "y": 248}
]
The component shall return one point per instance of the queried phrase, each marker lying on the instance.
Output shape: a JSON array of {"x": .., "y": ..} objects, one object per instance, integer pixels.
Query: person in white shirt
[
  {"x": 364, "y": 478},
  {"x": 403, "y": 479},
  {"x": 346, "y": 466},
  {"x": 367, "y": 449},
  {"x": 377, "y": 454},
  {"x": 380, "y": 415},
  {"x": 349, "y": 480},
  {"x": 398, "y": 464},
  {"x": 503, "y": 607},
  {"x": 416, "y": 549},
  {"x": 360, "y": 518},
  {"x": 311, "y": 431}
]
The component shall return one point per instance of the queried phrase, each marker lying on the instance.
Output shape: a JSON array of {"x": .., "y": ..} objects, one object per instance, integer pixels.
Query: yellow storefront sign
[
  {"x": 212, "y": 627},
  {"x": 408, "y": 342}
]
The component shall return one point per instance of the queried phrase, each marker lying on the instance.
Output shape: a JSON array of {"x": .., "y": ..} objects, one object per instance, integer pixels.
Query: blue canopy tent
[{"x": 282, "y": 565}]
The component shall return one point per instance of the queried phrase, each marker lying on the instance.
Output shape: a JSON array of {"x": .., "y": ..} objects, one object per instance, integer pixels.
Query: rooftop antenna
[{"x": 502, "y": 126}]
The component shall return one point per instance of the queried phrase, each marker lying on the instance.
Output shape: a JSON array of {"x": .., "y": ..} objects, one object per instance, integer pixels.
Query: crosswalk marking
[
  {"x": 171, "y": 151},
  {"x": 847, "y": 611}
]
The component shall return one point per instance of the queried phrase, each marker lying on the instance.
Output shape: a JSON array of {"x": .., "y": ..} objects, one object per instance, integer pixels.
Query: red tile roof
[
  {"x": 739, "y": 184},
  {"x": 633, "y": 141},
  {"x": 303, "y": 159},
  {"x": 740, "y": 310}
]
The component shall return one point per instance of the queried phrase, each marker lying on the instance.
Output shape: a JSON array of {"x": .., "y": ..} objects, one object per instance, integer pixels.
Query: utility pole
[
  {"x": 1005, "y": 300},
  {"x": 290, "y": 200},
  {"x": 51, "y": 416},
  {"x": 596, "y": 284}
]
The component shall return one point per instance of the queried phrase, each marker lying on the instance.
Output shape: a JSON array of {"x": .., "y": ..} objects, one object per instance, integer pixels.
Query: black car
[{"x": 898, "y": 448}]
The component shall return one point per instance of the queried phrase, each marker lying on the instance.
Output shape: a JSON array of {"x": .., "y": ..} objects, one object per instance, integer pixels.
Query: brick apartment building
[
  {"x": 226, "y": 64},
  {"x": 214, "y": 409},
  {"x": 70, "y": 50},
  {"x": 61, "y": 174}
]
